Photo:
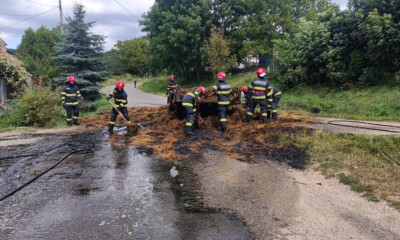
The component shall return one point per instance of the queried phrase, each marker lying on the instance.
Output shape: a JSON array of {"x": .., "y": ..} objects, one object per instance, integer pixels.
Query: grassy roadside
[{"x": 370, "y": 165}]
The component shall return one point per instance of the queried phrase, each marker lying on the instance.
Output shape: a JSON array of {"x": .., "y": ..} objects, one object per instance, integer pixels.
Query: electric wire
[
  {"x": 126, "y": 9},
  {"x": 47, "y": 170},
  {"x": 26, "y": 19},
  {"x": 16, "y": 15},
  {"x": 41, "y": 3},
  {"x": 335, "y": 122}
]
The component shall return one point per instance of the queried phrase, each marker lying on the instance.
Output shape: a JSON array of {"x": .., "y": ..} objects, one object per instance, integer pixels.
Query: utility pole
[{"x": 61, "y": 17}]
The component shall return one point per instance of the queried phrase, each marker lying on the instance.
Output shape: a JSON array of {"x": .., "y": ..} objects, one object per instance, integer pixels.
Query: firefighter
[
  {"x": 71, "y": 96},
  {"x": 247, "y": 96},
  {"x": 189, "y": 102},
  {"x": 258, "y": 90},
  {"x": 222, "y": 89},
  {"x": 274, "y": 96},
  {"x": 172, "y": 85},
  {"x": 121, "y": 100}
]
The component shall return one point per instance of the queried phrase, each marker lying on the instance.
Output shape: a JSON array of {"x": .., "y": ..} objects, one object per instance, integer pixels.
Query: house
[
  {"x": 3, "y": 84},
  {"x": 6, "y": 91}
]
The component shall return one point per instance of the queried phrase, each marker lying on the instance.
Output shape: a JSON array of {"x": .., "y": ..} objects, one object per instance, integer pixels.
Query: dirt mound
[{"x": 161, "y": 132}]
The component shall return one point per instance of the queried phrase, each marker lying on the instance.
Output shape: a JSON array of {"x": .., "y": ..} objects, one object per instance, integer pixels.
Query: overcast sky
[{"x": 111, "y": 18}]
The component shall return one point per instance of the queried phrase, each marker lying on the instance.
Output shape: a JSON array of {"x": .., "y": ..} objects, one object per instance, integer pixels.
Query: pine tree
[{"x": 79, "y": 54}]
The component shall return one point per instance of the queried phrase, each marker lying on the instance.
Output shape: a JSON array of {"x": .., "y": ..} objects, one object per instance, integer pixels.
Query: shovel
[{"x": 132, "y": 129}]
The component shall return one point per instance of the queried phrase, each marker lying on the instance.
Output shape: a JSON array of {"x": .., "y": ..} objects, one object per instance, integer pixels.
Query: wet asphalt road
[
  {"x": 137, "y": 98},
  {"x": 114, "y": 192}
]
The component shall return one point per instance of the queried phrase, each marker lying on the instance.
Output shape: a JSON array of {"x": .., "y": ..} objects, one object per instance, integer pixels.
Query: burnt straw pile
[{"x": 160, "y": 131}]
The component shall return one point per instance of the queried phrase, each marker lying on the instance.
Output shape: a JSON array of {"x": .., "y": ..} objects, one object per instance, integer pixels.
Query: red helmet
[
  {"x": 221, "y": 75},
  {"x": 244, "y": 88},
  {"x": 71, "y": 79},
  {"x": 202, "y": 90},
  {"x": 172, "y": 77},
  {"x": 120, "y": 84},
  {"x": 261, "y": 72}
]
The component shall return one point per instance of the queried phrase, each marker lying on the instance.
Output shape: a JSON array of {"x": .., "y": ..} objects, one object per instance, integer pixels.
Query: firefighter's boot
[
  {"x": 223, "y": 127},
  {"x": 111, "y": 128},
  {"x": 248, "y": 118},
  {"x": 189, "y": 131},
  {"x": 274, "y": 116},
  {"x": 268, "y": 114},
  {"x": 69, "y": 123},
  {"x": 75, "y": 121}
]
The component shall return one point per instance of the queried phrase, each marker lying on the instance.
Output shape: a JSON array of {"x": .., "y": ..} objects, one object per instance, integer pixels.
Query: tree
[
  {"x": 130, "y": 56},
  {"x": 176, "y": 31},
  {"x": 37, "y": 50},
  {"x": 80, "y": 53},
  {"x": 218, "y": 53}
]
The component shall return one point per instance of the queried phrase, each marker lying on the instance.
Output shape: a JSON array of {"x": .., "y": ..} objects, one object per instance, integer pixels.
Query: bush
[{"x": 39, "y": 107}]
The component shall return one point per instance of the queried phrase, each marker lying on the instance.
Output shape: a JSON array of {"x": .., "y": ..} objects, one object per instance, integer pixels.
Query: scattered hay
[{"x": 159, "y": 130}]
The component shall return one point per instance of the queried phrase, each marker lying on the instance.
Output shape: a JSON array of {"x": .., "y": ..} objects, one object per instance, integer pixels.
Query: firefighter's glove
[{"x": 109, "y": 97}]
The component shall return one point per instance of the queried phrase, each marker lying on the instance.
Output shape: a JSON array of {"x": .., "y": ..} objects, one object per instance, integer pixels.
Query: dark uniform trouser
[
  {"x": 114, "y": 115},
  {"x": 274, "y": 108},
  {"x": 222, "y": 113},
  {"x": 189, "y": 119},
  {"x": 72, "y": 114},
  {"x": 263, "y": 105},
  {"x": 170, "y": 96}
]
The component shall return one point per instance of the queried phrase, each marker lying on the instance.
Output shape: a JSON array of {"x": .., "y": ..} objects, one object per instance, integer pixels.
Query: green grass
[
  {"x": 373, "y": 103},
  {"x": 158, "y": 85},
  {"x": 113, "y": 79},
  {"x": 368, "y": 164}
]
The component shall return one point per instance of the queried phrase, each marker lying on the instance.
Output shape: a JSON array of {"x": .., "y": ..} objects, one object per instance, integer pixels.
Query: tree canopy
[
  {"x": 80, "y": 54},
  {"x": 37, "y": 51}
]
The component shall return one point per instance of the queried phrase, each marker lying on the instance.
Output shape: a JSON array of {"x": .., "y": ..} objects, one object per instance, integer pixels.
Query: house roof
[{"x": 2, "y": 42}]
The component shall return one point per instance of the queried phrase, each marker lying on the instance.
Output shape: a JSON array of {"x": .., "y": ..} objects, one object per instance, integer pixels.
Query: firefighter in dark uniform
[
  {"x": 121, "y": 100},
  {"x": 172, "y": 85},
  {"x": 274, "y": 96},
  {"x": 259, "y": 89},
  {"x": 223, "y": 89},
  {"x": 70, "y": 96},
  {"x": 189, "y": 102}
]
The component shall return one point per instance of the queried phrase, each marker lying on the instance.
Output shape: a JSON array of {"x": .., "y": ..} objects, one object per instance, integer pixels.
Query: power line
[
  {"x": 26, "y": 19},
  {"x": 40, "y": 3},
  {"x": 16, "y": 15},
  {"x": 126, "y": 9}
]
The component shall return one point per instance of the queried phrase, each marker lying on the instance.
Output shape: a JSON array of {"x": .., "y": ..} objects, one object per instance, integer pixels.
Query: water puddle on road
[{"x": 116, "y": 192}]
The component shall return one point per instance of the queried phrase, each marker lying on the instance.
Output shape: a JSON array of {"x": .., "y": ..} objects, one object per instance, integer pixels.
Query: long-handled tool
[
  {"x": 132, "y": 129},
  {"x": 119, "y": 112}
]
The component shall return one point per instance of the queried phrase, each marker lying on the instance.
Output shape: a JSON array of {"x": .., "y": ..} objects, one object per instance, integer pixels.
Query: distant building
[{"x": 6, "y": 90}]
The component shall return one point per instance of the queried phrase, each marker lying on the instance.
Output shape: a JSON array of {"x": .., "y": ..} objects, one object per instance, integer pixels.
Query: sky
[{"x": 117, "y": 19}]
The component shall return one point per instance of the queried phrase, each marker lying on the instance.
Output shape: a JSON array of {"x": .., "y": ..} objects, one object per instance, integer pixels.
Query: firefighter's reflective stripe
[
  {"x": 223, "y": 92},
  {"x": 258, "y": 97},
  {"x": 223, "y": 103},
  {"x": 186, "y": 104},
  {"x": 264, "y": 114},
  {"x": 275, "y": 110},
  {"x": 71, "y": 95},
  {"x": 250, "y": 113},
  {"x": 120, "y": 100},
  {"x": 63, "y": 93},
  {"x": 191, "y": 94},
  {"x": 112, "y": 123},
  {"x": 69, "y": 119},
  {"x": 270, "y": 93},
  {"x": 259, "y": 88},
  {"x": 71, "y": 103},
  {"x": 189, "y": 124},
  {"x": 223, "y": 120},
  {"x": 75, "y": 117},
  {"x": 215, "y": 87},
  {"x": 278, "y": 93}
]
